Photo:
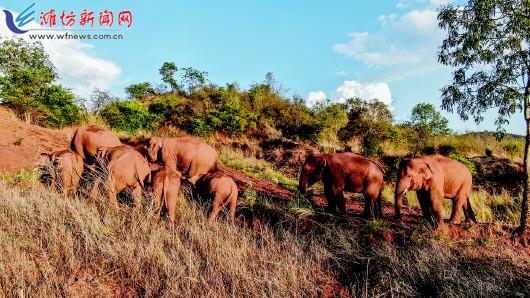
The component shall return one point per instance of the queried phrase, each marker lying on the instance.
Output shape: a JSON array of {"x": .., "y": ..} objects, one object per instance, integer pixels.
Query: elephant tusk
[{"x": 404, "y": 191}]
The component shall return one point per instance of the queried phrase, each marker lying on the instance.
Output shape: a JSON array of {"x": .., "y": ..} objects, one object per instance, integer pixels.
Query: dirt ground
[{"x": 22, "y": 143}]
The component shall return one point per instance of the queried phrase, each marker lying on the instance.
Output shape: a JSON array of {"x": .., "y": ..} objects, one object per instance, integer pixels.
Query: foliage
[
  {"x": 140, "y": 90},
  {"x": 99, "y": 99},
  {"x": 427, "y": 121},
  {"x": 26, "y": 71},
  {"x": 168, "y": 71},
  {"x": 370, "y": 120},
  {"x": 129, "y": 116},
  {"x": 488, "y": 44},
  {"x": 330, "y": 118},
  {"x": 26, "y": 85},
  {"x": 193, "y": 78},
  {"x": 59, "y": 107}
]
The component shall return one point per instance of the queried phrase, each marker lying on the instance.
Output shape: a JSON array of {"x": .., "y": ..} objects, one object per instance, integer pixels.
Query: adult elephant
[
  {"x": 63, "y": 170},
  {"x": 187, "y": 155},
  {"x": 345, "y": 172},
  {"x": 122, "y": 167},
  {"x": 87, "y": 140},
  {"x": 435, "y": 177}
]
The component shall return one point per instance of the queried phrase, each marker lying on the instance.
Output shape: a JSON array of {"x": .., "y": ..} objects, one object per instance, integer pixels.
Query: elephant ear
[
  {"x": 321, "y": 162},
  {"x": 430, "y": 167}
]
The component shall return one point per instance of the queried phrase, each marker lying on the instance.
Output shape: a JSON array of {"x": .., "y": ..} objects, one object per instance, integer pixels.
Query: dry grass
[{"x": 56, "y": 246}]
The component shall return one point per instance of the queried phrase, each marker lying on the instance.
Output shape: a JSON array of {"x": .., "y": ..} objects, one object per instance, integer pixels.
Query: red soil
[{"x": 22, "y": 143}]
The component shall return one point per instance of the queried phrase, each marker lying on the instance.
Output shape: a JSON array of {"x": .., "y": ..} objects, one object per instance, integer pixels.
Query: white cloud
[
  {"x": 405, "y": 43},
  {"x": 78, "y": 68},
  {"x": 351, "y": 89},
  {"x": 315, "y": 97}
]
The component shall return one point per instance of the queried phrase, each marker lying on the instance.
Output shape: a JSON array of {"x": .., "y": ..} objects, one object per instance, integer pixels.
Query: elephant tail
[{"x": 165, "y": 186}]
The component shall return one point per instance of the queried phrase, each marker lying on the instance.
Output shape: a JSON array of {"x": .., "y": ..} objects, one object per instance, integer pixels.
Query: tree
[
  {"x": 488, "y": 42},
  {"x": 193, "y": 78},
  {"x": 59, "y": 107},
  {"x": 25, "y": 72},
  {"x": 99, "y": 99},
  {"x": 128, "y": 116},
  {"x": 427, "y": 121},
  {"x": 168, "y": 71},
  {"x": 140, "y": 90},
  {"x": 369, "y": 120}
]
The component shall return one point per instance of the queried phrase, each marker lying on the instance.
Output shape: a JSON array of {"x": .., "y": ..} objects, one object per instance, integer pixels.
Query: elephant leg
[
  {"x": 330, "y": 197},
  {"x": 425, "y": 204},
  {"x": 137, "y": 194},
  {"x": 372, "y": 201},
  {"x": 214, "y": 209},
  {"x": 458, "y": 204},
  {"x": 437, "y": 207},
  {"x": 171, "y": 204},
  {"x": 232, "y": 208},
  {"x": 194, "y": 179},
  {"x": 157, "y": 200}
]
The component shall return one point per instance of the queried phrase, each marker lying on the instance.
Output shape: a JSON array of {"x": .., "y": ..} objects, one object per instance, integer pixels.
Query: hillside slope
[{"x": 22, "y": 143}]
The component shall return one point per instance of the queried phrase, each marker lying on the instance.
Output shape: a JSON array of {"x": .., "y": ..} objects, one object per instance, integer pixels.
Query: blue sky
[{"x": 316, "y": 49}]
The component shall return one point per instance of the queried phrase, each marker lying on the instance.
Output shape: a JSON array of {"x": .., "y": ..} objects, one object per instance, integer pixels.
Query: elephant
[
  {"x": 122, "y": 167},
  {"x": 64, "y": 170},
  {"x": 166, "y": 187},
  {"x": 341, "y": 172},
  {"x": 187, "y": 155},
  {"x": 87, "y": 140},
  {"x": 435, "y": 177},
  {"x": 221, "y": 190}
]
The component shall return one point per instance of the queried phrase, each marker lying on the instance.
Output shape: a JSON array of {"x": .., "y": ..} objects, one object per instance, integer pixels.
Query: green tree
[
  {"x": 488, "y": 45},
  {"x": 372, "y": 121},
  {"x": 59, "y": 107},
  {"x": 331, "y": 118},
  {"x": 428, "y": 121},
  {"x": 140, "y": 90},
  {"x": 193, "y": 78},
  {"x": 168, "y": 71},
  {"x": 25, "y": 72}
]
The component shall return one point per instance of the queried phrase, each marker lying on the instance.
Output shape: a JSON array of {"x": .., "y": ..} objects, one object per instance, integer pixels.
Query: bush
[
  {"x": 199, "y": 126},
  {"x": 232, "y": 118},
  {"x": 59, "y": 107},
  {"x": 128, "y": 116},
  {"x": 488, "y": 152}
]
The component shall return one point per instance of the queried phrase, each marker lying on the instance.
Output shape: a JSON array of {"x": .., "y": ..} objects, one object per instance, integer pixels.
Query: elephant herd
[
  {"x": 433, "y": 177},
  {"x": 98, "y": 158},
  {"x": 162, "y": 164}
]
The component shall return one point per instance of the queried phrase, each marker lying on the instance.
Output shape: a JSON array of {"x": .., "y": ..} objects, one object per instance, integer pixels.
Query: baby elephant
[
  {"x": 63, "y": 171},
  {"x": 221, "y": 190},
  {"x": 166, "y": 187}
]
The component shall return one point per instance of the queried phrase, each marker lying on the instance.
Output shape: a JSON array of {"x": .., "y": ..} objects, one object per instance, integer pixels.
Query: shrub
[
  {"x": 446, "y": 149},
  {"x": 199, "y": 126},
  {"x": 128, "y": 116},
  {"x": 232, "y": 118},
  {"x": 488, "y": 152}
]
